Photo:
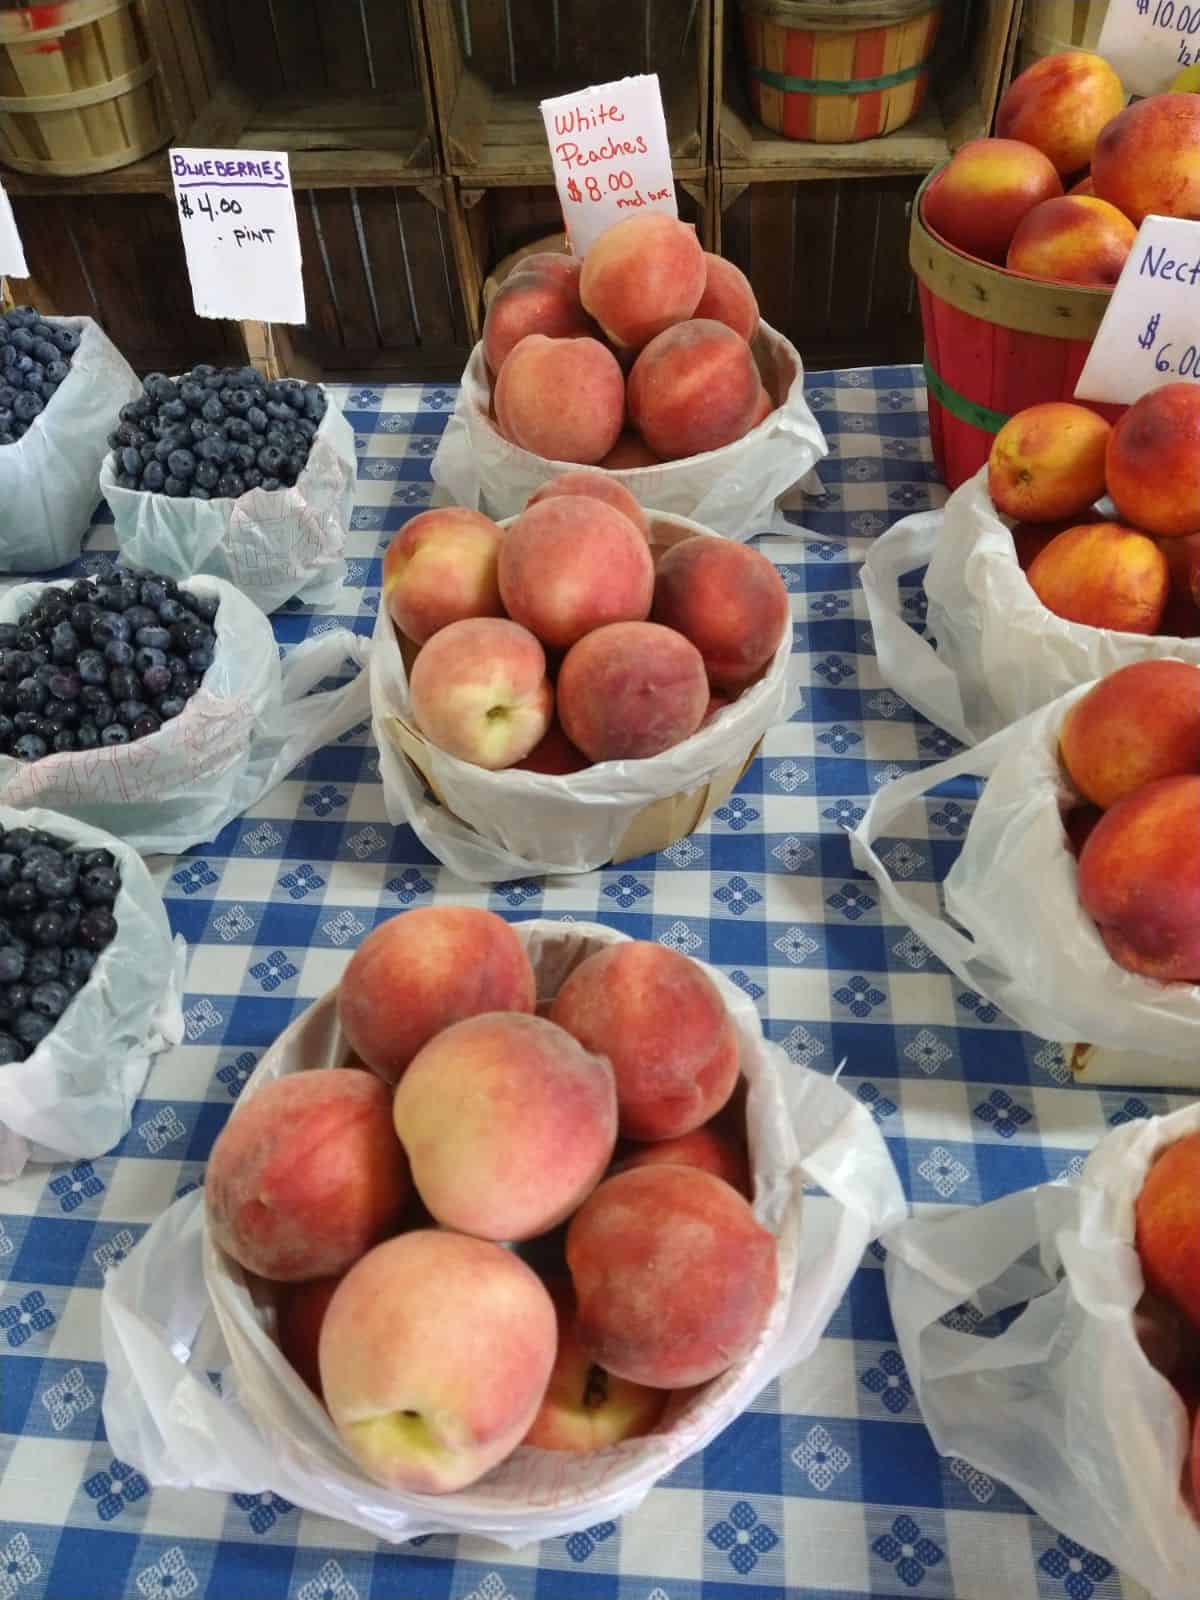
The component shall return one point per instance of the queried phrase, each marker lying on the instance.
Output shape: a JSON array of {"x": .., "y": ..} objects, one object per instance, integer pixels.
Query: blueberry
[
  {"x": 92, "y": 668},
  {"x": 109, "y": 627},
  {"x": 153, "y": 591},
  {"x": 114, "y": 733},
  {"x": 16, "y": 998},
  {"x": 230, "y": 486},
  {"x": 10, "y": 1049},
  {"x": 131, "y": 711},
  {"x": 22, "y": 896},
  {"x": 245, "y": 455},
  {"x": 155, "y": 638},
  {"x": 46, "y": 928},
  {"x": 131, "y": 461},
  {"x": 171, "y": 706},
  {"x": 141, "y": 616},
  {"x": 83, "y": 615},
  {"x": 77, "y": 963},
  {"x": 50, "y": 999},
  {"x": 239, "y": 430},
  {"x": 29, "y": 747},
  {"x": 200, "y": 659},
  {"x": 98, "y": 886},
  {"x": 257, "y": 418},
  {"x": 215, "y": 451},
  {"x": 56, "y": 883},
  {"x": 31, "y": 694},
  {"x": 42, "y": 966},
  {"x": 270, "y": 460},
  {"x": 12, "y": 964},
  {"x": 123, "y": 683},
  {"x": 213, "y": 410},
  {"x": 97, "y": 929},
  {"x": 119, "y": 653},
  {"x": 207, "y": 606},
  {"x": 10, "y": 871},
  {"x": 153, "y": 477},
  {"x": 18, "y": 840},
  {"x": 31, "y": 1028},
  {"x": 96, "y": 858},
  {"x": 65, "y": 685},
  {"x": 87, "y": 735}
]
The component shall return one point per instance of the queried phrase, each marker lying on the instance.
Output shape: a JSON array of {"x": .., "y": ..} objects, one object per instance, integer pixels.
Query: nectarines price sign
[
  {"x": 608, "y": 144},
  {"x": 1150, "y": 335},
  {"x": 238, "y": 220},
  {"x": 1148, "y": 41},
  {"x": 12, "y": 256}
]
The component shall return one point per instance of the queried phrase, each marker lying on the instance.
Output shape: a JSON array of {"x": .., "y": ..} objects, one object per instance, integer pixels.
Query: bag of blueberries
[
  {"x": 224, "y": 473},
  {"x": 159, "y": 710},
  {"x": 90, "y": 986},
  {"x": 61, "y": 383}
]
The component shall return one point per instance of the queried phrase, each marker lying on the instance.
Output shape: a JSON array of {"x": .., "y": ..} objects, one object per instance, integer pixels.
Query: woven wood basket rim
[{"x": 839, "y": 16}]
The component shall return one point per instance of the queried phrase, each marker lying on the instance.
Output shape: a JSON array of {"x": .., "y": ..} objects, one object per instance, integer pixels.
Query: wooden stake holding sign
[
  {"x": 1148, "y": 42},
  {"x": 1150, "y": 335}
]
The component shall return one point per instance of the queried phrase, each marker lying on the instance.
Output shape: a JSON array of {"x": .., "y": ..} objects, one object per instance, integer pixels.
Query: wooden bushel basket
[
  {"x": 838, "y": 73},
  {"x": 78, "y": 89},
  {"x": 995, "y": 343}
]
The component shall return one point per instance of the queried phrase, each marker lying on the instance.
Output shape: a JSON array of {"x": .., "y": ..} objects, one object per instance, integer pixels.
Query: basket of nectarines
[
  {"x": 1075, "y": 551},
  {"x": 1074, "y": 904},
  {"x": 1053, "y": 1341},
  {"x": 499, "y": 1232},
  {"x": 582, "y": 684},
  {"x": 646, "y": 360}
]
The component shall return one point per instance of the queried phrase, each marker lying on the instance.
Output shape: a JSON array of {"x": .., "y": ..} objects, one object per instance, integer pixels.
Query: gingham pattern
[{"x": 829, "y": 1485}]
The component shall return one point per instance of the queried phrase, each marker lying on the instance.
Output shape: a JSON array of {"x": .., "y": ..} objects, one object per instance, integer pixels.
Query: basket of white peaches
[
  {"x": 499, "y": 1231},
  {"x": 580, "y": 684}
]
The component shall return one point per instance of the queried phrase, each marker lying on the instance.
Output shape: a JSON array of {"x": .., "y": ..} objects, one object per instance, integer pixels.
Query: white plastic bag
[
  {"x": 271, "y": 544},
  {"x": 1032, "y": 948},
  {"x": 50, "y": 479},
  {"x": 161, "y": 1332},
  {"x": 1063, "y": 1405},
  {"x": 239, "y": 735},
  {"x": 72, "y": 1097},
  {"x": 732, "y": 490},
  {"x": 511, "y": 824},
  {"x": 1000, "y": 653}
]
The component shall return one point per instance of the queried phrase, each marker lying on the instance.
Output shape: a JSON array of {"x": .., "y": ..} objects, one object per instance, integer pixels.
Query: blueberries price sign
[
  {"x": 1149, "y": 41},
  {"x": 238, "y": 220},
  {"x": 12, "y": 257},
  {"x": 608, "y": 144},
  {"x": 1150, "y": 335}
]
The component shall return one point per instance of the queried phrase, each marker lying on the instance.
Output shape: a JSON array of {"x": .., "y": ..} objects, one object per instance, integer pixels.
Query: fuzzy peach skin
[
  {"x": 674, "y": 1277},
  {"x": 508, "y": 1123},
  {"x": 586, "y": 1408},
  {"x": 1139, "y": 879},
  {"x": 729, "y": 600},
  {"x": 596, "y": 486},
  {"x": 978, "y": 200},
  {"x": 555, "y": 262},
  {"x": 555, "y": 756},
  {"x": 571, "y": 564},
  {"x": 630, "y": 451},
  {"x": 479, "y": 691},
  {"x": 300, "y": 1313},
  {"x": 1074, "y": 239},
  {"x": 563, "y": 399},
  {"x": 631, "y": 690},
  {"x": 643, "y": 275},
  {"x": 693, "y": 388},
  {"x": 1060, "y": 104},
  {"x": 1167, "y": 1218},
  {"x": 1105, "y": 576},
  {"x": 728, "y": 297},
  {"x": 1148, "y": 159},
  {"x": 1153, "y": 464},
  {"x": 532, "y": 300},
  {"x": 424, "y": 969},
  {"x": 1047, "y": 462},
  {"x": 435, "y": 1355},
  {"x": 306, "y": 1176},
  {"x": 762, "y": 410},
  {"x": 662, "y": 1023},
  {"x": 1140, "y": 723},
  {"x": 711, "y": 1148},
  {"x": 441, "y": 568}
]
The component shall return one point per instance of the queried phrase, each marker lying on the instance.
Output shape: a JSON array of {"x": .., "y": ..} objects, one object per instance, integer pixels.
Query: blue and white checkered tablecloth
[{"x": 829, "y": 1486}]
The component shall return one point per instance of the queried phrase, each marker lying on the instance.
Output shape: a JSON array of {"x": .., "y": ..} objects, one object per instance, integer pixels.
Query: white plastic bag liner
[
  {"x": 72, "y": 1097},
  {"x": 273, "y": 544},
  {"x": 1032, "y": 949},
  {"x": 1000, "y": 653},
  {"x": 510, "y": 824},
  {"x": 732, "y": 490},
  {"x": 1063, "y": 1406},
  {"x": 50, "y": 479},
  {"x": 240, "y": 734},
  {"x": 162, "y": 1329}
]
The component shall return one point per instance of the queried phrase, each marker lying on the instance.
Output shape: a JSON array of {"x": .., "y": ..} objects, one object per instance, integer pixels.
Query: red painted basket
[{"x": 995, "y": 342}]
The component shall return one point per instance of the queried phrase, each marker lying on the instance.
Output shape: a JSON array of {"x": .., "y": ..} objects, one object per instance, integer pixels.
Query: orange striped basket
[{"x": 839, "y": 71}]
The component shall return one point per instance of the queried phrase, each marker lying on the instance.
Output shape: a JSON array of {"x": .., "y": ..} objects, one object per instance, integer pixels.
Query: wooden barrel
[
  {"x": 838, "y": 72},
  {"x": 995, "y": 342},
  {"x": 78, "y": 89},
  {"x": 1054, "y": 25}
]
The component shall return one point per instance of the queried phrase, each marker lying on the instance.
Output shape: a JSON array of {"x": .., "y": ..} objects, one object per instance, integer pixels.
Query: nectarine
[
  {"x": 1140, "y": 723},
  {"x": 1047, "y": 462},
  {"x": 1105, "y": 576},
  {"x": 1153, "y": 464}
]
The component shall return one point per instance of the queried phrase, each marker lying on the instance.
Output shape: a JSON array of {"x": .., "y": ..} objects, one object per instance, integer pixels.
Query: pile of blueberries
[
  {"x": 35, "y": 357},
  {"x": 101, "y": 662},
  {"x": 56, "y": 915},
  {"x": 214, "y": 433}
]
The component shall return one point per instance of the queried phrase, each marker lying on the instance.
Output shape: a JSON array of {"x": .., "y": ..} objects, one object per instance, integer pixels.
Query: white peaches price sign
[
  {"x": 611, "y": 158},
  {"x": 12, "y": 256},
  {"x": 238, "y": 220},
  {"x": 1148, "y": 41},
  {"x": 1150, "y": 335}
]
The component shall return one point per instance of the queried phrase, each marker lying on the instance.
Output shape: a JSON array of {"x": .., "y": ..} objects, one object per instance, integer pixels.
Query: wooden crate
[
  {"x": 828, "y": 259},
  {"x": 972, "y": 63},
  {"x": 493, "y": 61},
  {"x": 342, "y": 85},
  {"x": 489, "y": 224}
]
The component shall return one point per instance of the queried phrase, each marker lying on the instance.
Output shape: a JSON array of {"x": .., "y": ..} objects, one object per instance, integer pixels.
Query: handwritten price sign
[
  {"x": 238, "y": 220},
  {"x": 1148, "y": 41},
  {"x": 610, "y": 153},
  {"x": 12, "y": 256},
  {"x": 1150, "y": 335}
]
